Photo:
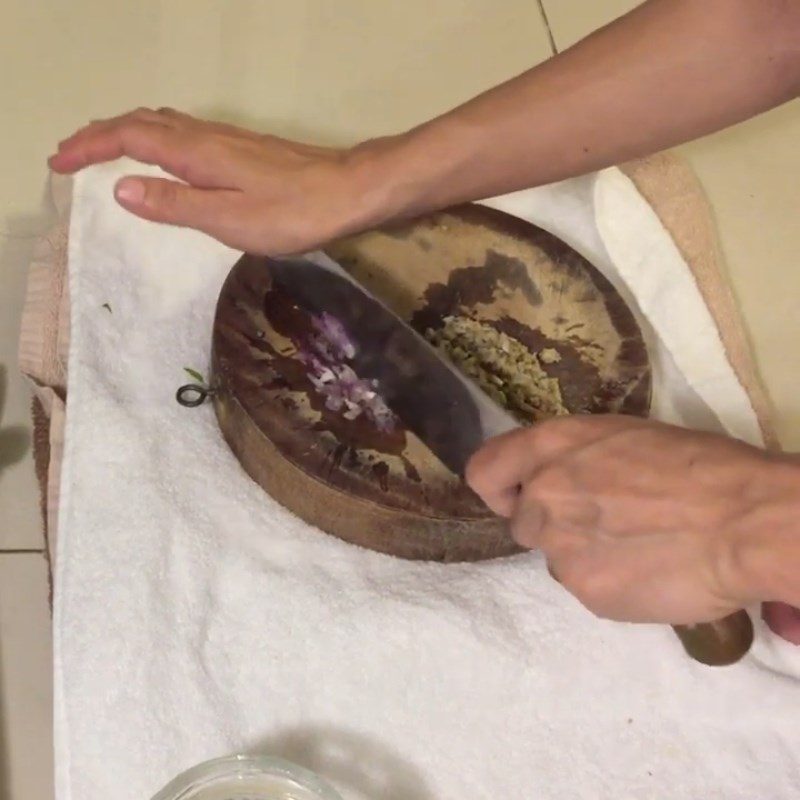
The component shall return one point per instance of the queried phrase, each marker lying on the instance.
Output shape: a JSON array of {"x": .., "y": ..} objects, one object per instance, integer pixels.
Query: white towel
[{"x": 195, "y": 617}]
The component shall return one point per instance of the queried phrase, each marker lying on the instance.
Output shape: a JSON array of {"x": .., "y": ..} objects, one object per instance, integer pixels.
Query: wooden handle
[{"x": 720, "y": 643}]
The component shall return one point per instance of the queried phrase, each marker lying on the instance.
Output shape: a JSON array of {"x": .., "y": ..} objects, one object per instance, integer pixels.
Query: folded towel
[{"x": 195, "y": 617}]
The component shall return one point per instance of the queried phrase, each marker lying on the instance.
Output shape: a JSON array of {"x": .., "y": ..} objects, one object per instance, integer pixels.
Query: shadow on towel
[
  {"x": 355, "y": 764},
  {"x": 14, "y": 440}
]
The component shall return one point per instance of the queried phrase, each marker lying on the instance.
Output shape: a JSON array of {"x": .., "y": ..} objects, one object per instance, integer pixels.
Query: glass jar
[{"x": 247, "y": 778}]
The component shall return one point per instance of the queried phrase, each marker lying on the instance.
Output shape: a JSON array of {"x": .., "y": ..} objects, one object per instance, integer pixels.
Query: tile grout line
[
  {"x": 546, "y": 21},
  {"x": 21, "y": 551}
]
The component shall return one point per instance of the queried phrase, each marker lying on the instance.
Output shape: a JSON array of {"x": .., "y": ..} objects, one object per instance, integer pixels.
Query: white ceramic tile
[
  {"x": 751, "y": 175},
  {"x": 26, "y": 739},
  {"x": 327, "y": 70}
]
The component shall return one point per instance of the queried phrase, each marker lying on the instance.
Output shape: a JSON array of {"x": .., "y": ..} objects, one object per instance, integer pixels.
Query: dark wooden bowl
[{"x": 386, "y": 491}]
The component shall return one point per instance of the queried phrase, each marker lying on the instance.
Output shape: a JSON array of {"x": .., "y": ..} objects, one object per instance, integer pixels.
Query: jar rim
[{"x": 193, "y": 779}]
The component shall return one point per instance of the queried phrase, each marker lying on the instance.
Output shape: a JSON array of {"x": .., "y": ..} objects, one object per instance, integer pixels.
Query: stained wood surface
[{"x": 387, "y": 491}]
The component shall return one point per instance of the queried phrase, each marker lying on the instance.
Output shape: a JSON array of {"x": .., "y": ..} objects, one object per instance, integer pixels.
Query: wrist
[
  {"x": 764, "y": 541},
  {"x": 403, "y": 176},
  {"x": 373, "y": 175}
]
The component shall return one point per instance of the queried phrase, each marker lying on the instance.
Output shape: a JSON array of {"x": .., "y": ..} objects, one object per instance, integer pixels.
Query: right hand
[
  {"x": 647, "y": 522},
  {"x": 253, "y": 192}
]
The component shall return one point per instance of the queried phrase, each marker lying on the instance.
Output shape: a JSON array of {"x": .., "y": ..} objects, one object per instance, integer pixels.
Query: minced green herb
[
  {"x": 502, "y": 366},
  {"x": 195, "y": 375}
]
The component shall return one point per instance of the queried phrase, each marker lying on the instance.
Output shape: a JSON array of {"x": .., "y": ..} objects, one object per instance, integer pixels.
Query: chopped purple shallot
[
  {"x": 343, "y": 390},
  {"x": 332, "y": 337}
]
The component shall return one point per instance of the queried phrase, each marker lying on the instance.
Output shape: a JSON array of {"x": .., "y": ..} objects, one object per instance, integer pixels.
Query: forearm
[{"x": 670, "y": 71}]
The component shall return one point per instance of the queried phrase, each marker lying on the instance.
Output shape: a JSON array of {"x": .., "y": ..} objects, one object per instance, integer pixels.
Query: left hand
[
  {"x": 250, "y": 191},
  {"x": 639, "y": 520}
]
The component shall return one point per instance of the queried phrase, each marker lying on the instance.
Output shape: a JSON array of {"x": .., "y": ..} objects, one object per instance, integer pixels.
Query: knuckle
[
  {"x": 565, "y": 496},
  {"x": 199, "y": 149},
  {"x": 174, "y": 117},
  {"x": 131, "y": 130},
  {"x": 142, "y": 113},
  {"x": 94, "y": 126},
  {"x": 531, "y": 494},
  {"x": 207, "y": 147}
]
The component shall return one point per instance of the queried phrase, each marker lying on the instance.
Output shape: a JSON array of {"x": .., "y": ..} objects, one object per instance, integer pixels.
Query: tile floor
[{"x": 302, "y": 68}]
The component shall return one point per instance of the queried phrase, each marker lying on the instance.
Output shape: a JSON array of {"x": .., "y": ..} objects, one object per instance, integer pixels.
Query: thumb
[{"x": 163, "y": 200}]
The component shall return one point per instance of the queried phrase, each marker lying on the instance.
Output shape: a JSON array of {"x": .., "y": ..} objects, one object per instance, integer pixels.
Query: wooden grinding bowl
[{"x": 387, "y": 491}]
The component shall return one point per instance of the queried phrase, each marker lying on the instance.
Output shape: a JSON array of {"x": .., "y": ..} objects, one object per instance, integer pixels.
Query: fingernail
[{"x": 130, "y": 190}]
